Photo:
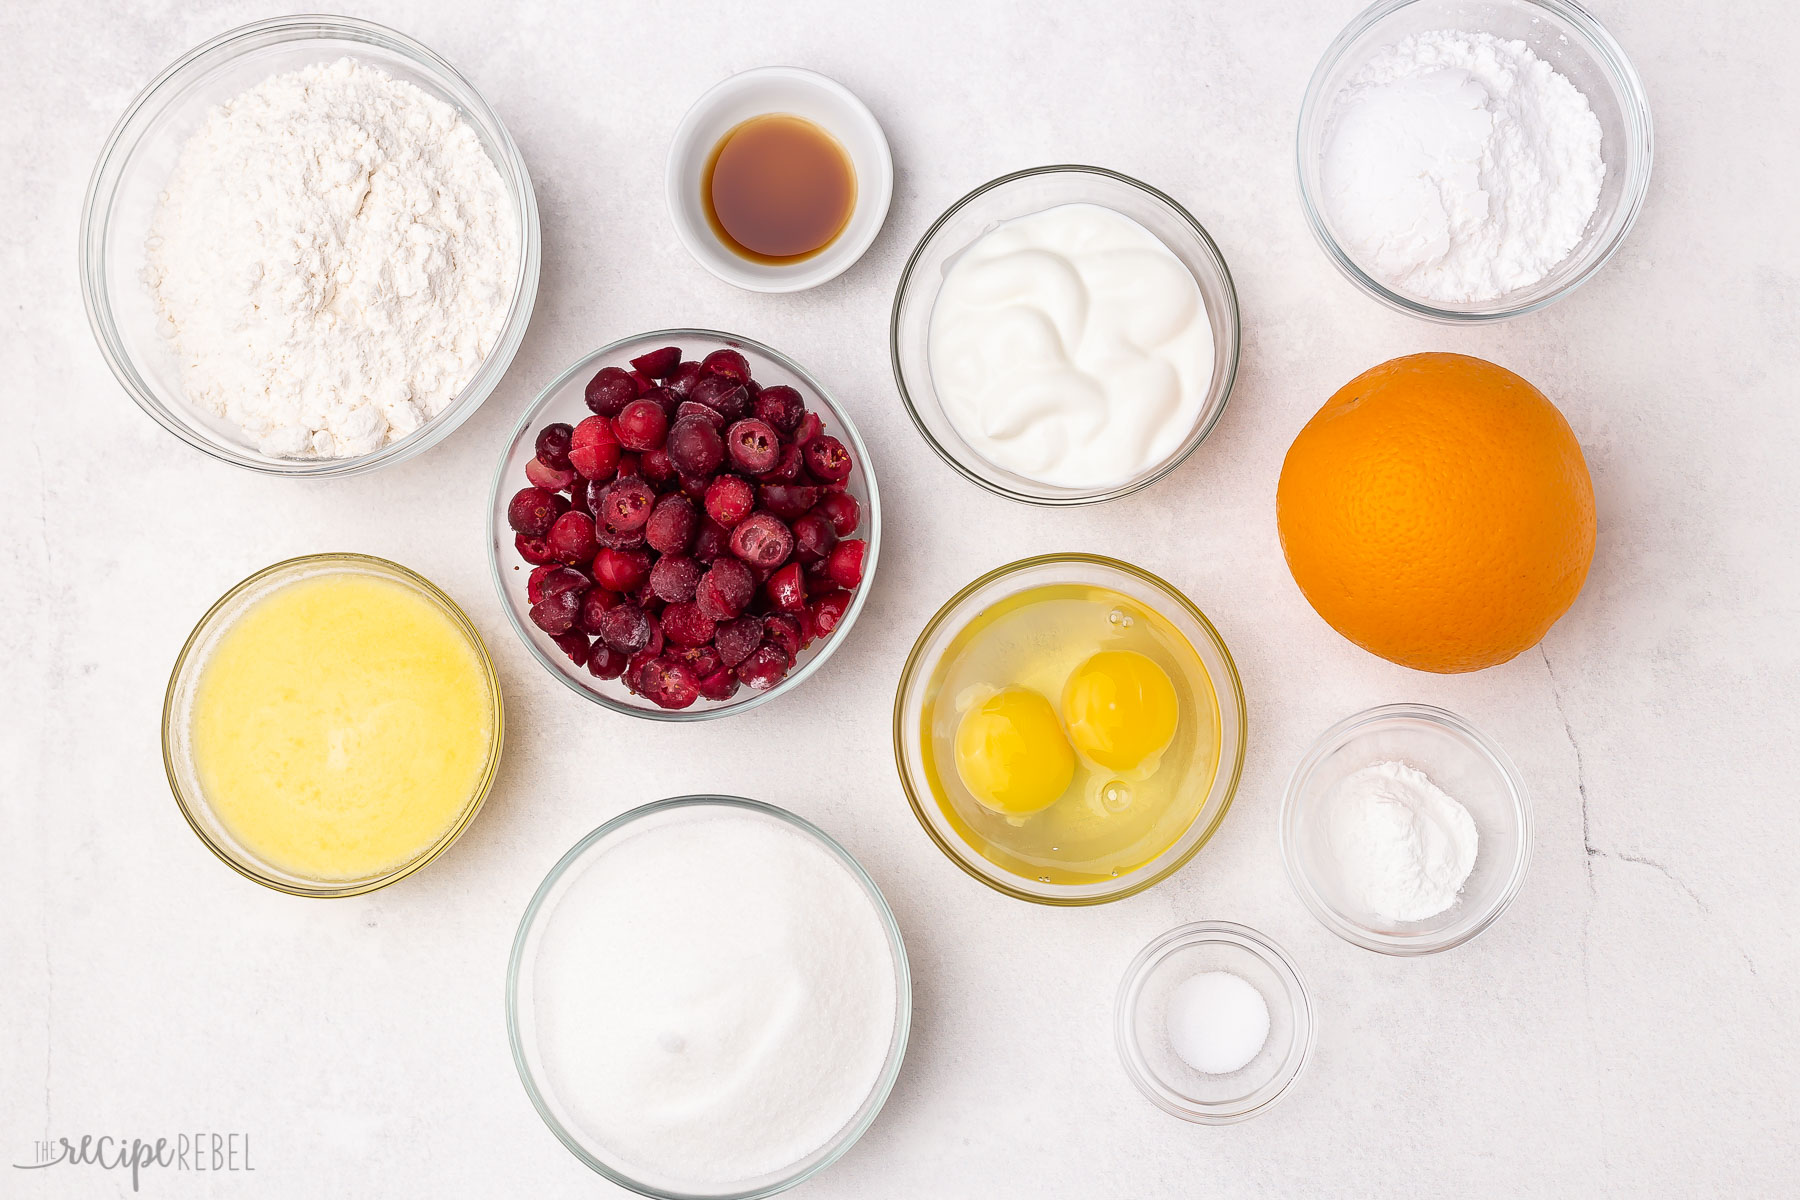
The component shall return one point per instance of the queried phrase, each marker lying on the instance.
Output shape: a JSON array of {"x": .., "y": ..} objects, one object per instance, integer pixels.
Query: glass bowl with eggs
[{"x": 1069, "y": 729}]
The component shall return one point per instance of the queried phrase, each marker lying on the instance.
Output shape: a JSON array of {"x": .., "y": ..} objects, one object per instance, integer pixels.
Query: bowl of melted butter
[{"x": 1069, "y": 729}]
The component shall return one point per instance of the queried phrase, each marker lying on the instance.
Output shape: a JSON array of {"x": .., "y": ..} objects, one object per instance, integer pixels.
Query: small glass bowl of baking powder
[
  {"x": 135, "y": 166},
  {"x": 1457, "y": 758},
  {"x": 1560, "y": 33}
]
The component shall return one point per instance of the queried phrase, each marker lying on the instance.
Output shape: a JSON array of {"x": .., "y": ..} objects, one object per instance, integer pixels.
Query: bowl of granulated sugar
[{"x": 708, "y": 997}]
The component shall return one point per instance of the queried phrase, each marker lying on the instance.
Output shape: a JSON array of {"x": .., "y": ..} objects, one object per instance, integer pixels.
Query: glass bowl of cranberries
[{"x": 684, "y": 526}]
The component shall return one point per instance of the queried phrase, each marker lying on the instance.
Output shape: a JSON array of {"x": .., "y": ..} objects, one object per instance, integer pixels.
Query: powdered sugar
[
  {"x": 1460, "y": 166},
  {"x": 332, "y": 259}
]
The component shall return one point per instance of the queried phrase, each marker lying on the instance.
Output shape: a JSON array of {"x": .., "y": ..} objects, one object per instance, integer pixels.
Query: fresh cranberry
[
  {"x": 788, "y": 501},
  {"x": 754, "y": 446},
  {"x": 610, "y": 538},
  {"x": 702, "y": 660},
  {"x": 664, "y": 399},
  {"x": 827, "y": 459},
  {"x": 786, "y": 468},
  {"x": 729, "y": 499},
  {"x": 845, "y": 566},
  {"x": 658, "y": 364},
  {"x": 548, "y": 478},
  {"x": 685, "y": 625},
  {"x": 575, "y": 645},
  {"x": 626, "y": 628},
  {"x": 556, "y": 612},
  {"x": 786, "y": 589},
  {"x": 580, "y": 496},
  {"x": 781, "y": 406},
  {"x": 606, "y": 663},
  {"x": 814, "y": 538},
  {"x": 725, "y": 590},
  {"x": 553, "y": 445},
  {"x": 551, "y": 578},
  {"x": 761, "y": 540},
  {"x": 685, "y": 376},
  {"x": 783, "y": 629},
  {"x": 630, "y": 464},
  {"x": 594, "y": 448},
  {"x": 668, "y": 684},
  {"x": 674, "y": 577},
  {"x": 727, "y": 363},
  {"x": 533, "y": 510},
  {"x": 534, "y": 550},
  {"x": 842, "y": 510},
  {"x": 673, "y": 523},
  {"x": 730, "y": 400},
  {"x": 627, "y": 505},
  {"x": 656, "y": 466},
  {"x": 687, "y": 408},
  {"x": 711, "y": 542},
  {"x": 810, "y": 427},
  {"x": 695, "y": 446},
  {"x": 571, "y": 539},
  {"x": 694, "y": 486},
  {"x": 809, "y": 632},
  {"x": 641, "y": 381},
  {"x": 720, "y": 685},
  {"x": 827, "y": 611},
  {"x": 610, "y": 391},
  {"x": 594, "y": 602},
  {"x": 621, "y": 570},
  {"x": 736, "y": 638},
  {"x": 763, "y": 669},
  {"x": 643, "y": 425}
]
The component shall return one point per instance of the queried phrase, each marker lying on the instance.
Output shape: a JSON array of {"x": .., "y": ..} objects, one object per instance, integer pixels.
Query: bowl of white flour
[
  {"x": 1406, "y": 830},
  {"x": 309, "y": 248},
  {"x": 1473, "y": 161}
]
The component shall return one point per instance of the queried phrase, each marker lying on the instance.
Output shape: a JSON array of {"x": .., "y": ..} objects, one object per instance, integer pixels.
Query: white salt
[{"x": 1218, "y": 1022}]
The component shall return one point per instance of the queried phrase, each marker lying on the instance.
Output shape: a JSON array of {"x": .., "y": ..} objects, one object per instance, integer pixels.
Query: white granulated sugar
[
  {"x": 331, "y": 260},
  {"x": 714, "y": 997},
  {"x": 1403, "y": 846},
  {"x": 1459, "y": 167}
]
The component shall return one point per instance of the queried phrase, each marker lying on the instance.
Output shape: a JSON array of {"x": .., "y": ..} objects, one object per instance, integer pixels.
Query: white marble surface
[{"x": 1628, "y": 1028}]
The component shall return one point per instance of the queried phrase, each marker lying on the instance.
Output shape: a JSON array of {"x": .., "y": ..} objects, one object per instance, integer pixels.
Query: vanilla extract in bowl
[{"x": 778, "y": 189}]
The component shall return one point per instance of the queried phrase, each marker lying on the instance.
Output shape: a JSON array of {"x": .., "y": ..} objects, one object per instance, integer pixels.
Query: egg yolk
[
  {"x": 1120, "y": 709},
  {"x": 1011, "y": 753}
]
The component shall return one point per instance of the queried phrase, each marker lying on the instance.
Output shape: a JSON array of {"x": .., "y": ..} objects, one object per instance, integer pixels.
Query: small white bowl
[{"x": 766, "y": 90}]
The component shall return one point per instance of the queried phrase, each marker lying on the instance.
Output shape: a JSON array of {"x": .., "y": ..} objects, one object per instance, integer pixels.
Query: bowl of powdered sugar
[
  {"x": 1406, "y": 830},
  {"x": 310, "y": 247},
  {"x": 1469, "y": 162}
]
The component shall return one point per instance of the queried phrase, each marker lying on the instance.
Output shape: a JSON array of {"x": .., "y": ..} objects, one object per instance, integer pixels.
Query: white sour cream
[{"x": 1071, "y": 347}]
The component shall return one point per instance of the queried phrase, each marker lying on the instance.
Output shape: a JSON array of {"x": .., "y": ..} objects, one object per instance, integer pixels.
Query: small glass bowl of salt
[{"x": 1214, "y": 1022}]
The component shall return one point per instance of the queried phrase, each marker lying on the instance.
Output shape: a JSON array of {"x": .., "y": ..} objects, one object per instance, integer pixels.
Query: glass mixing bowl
[
  {"x": 1140, "y": 1023},
  {"x": 1021, "y": 194},
  {"x": 565, "y": 400},
  {"x": 1560, "y": 33},
  {"x": 1153, "y": 593},
  {"x": 1459, "y": 759},
  {"x": 521, "y": 1019},
  {"x": 135, "y": 165},
  {"x": 178, "y": 703}
]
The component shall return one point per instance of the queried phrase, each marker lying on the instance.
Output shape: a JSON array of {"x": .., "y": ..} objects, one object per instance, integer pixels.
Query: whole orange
[{"x": 1438, "y": 512}]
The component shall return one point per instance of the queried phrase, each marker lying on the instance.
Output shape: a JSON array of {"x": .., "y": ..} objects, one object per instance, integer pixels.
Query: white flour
[
  {"x": 331, "y": 259},
  {"x": 1403, "y": 847},
  {"x": 1459, "y": 166}
]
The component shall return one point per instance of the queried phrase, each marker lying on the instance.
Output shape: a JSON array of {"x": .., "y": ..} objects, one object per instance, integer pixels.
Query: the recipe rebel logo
[{"x": 192, "y": 1152}]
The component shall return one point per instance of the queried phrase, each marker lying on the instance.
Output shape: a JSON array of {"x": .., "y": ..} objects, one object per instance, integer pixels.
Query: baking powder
[
  {"x": 1403, "y": 846},
  {"x": 1459, "y": 167},
  {"x": 332, "y": 258}
]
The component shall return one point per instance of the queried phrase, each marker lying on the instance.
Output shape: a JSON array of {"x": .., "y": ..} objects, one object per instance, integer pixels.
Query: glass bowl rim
[
  {"x": 96, "y": 216},
  {"x": 958, "y": 853},
  {"x": 297, "y": 566},
  {"x": 1639, "y": 152},
  {"x": 1194, "y": 933},
  {"x": 890, "y": 1071},
  {"x": 1202, "y": 428},
  {"x": 1355, "y": 932},
  {"x": 826, "y": 647}
]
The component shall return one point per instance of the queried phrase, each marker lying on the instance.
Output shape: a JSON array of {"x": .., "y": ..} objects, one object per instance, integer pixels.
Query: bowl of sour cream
[{"x": 1065, "y": 335}]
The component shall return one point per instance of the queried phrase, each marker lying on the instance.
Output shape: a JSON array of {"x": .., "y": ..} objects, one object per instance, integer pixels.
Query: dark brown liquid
[{"x": 778, "y": 189}]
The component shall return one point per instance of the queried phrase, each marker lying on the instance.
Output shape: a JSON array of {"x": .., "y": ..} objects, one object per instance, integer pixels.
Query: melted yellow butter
[
  {"x": 1131, "y": 696},
  {"x": 341, "y": 726}
]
